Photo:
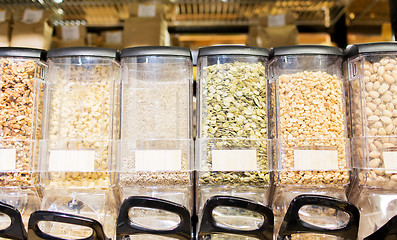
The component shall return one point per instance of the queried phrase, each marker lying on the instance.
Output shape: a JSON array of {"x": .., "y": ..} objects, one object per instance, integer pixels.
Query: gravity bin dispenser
[
  {"x": 232, "y": 146},
  {"x": 372, "y": 73},
  {"x": 155, "y": 168},
  {"x": 312, "y": 148},
  {"x": 22, "y": 84},
  {"x": 76, "y": 153}
]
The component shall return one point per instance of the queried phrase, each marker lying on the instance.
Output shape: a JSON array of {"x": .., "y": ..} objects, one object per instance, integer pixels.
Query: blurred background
[{"x": 194, "y": 23}]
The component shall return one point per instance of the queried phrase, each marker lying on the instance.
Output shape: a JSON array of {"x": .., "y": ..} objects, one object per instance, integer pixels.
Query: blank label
[
  {"x": 317, "y": 160},
  {"x": 8, "y": 158},
  {"x": 390, "y": 160},
  {"x": 70, "y": 33},
  {"x": 234, "y": 160},
  {"x": 276, "y": 20},
  {"x": 2, "y": 15},
  {"x": 32, "y": 16},
  {"x": 158, "y": 160},
  {"x": 72, "y": 160},
  {"x": 146, "y": 10}
]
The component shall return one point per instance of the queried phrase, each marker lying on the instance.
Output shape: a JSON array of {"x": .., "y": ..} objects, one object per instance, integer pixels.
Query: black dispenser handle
[
  {"x": 125, "y": 226},
  {"x": 35, "y": 233},
  {"x": 386, "y": 232},
  {"x": 293, "y": 224},
  {"x": 16, "y": 230},
  {"x": 210, "y": 226}
]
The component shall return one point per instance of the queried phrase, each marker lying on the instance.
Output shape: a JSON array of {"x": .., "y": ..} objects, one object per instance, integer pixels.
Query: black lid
[
  {"x": 233, "y": 50},
  {"x": 305, "y": 50},
  {"x": 155, "y": 51},
  {"x": 82, "y": 51},
  {"x": 22, "y": 52},
  {"x": 356, "y": 49}
]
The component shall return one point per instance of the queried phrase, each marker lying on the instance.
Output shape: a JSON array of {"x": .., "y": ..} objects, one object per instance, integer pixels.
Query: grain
[
  {"x": 312, "y": 118},
  {"x": 156, "y": 116}
]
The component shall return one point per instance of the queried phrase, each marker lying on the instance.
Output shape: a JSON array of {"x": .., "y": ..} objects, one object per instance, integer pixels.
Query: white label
[
  {"x": 72, "y": 160},
  {"x": 8, "y": 158},
  {"x": 32, "y": 16},
  {"x": 234, "y": 160},
  {"x": 317, "y": 160},
  {"x": 3, "y": 15},
  {"x": 70, "y": 33},
  {"x": 114, "y": 37},
  {"x": 146, "y": 10},
  {"x": 390, "y": 160},
  {"x": 158, "y": 160},
  {"x": 276, "y": 20}
]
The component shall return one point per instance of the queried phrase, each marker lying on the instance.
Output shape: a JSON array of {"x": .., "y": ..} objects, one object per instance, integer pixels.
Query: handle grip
[
  {"x": 16, "y": 230},
  {"x": 293, "y": 224},
  {"x": 35, "y": 233},
  {"x": 386, "y": 232},
  {"x": 210, "y": 226},
  {"x": 125, "y": 226}
]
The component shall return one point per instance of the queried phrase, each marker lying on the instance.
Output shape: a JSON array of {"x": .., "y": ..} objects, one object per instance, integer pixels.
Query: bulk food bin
[
  {"x": 232, "y": 145},
  {"x": 373, "y": 93},
  {"x": 156, "y": 145},
  {"x": 76, "y": 159},
  {"x": 22, "y": 85},
  {"x": 312, "y": 148}
]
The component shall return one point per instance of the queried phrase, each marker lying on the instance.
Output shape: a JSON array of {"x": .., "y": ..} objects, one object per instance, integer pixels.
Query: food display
[
  {"x": 232, "y": 116},
  {"x": 373, "y": 96},
  {"x": 311, "y": 120},
  {"x": 232, "y": 142},
  {"x": 374, "y": 113},
  {"x": 156, "y": 117},
  {"x": 22, "y": 72},
  {"x": 80, "y": 112}
]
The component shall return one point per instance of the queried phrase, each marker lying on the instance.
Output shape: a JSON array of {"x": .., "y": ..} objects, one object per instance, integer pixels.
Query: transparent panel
[
  {"x": 65, "y": 230},
  {"x": 324, "y": 217},
  {"x": 238, "y": 218},
  {"x": 5, "y": 221},
  {"x": 153, "y": 218}
]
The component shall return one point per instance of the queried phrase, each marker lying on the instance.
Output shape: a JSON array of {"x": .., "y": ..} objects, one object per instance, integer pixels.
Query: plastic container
[
  {"x": 232, "y": 124},
  {"x": 308, "y": 90},
  {"x": 373, "y": 97},
  {"x": 81, "y": 114},
  {"x": 22, "y": 85},
  {"x": 156, "y": 147}
]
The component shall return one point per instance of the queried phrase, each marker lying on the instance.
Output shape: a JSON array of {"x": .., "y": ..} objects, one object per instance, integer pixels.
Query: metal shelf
[{"x": 190, "y": 12}]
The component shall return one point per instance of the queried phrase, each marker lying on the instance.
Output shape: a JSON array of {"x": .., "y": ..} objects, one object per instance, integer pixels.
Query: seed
[{"x": 241, "y": 102}]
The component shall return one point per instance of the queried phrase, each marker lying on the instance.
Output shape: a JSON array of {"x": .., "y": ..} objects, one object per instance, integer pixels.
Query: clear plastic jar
[
  {"x": 373, "y": 96},
  {"x": 232, "y": 124},
  {"x": 80, "y": 128},
  {"x": 22, "y": 84},
  {"x": 81, "y": 113},
  {"x": 156, "y": 146},
  {"x": 308, "y": 90}
]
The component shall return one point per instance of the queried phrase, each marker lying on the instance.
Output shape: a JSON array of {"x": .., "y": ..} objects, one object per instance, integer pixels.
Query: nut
[
  {"x": 18, "y": 112},
  {"x": 379, "y": 124},
  {"x": 80, "y": 115}
]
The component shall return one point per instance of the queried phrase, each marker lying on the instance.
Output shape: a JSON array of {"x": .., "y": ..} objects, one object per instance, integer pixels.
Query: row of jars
[{"x": 270, "y": 126}]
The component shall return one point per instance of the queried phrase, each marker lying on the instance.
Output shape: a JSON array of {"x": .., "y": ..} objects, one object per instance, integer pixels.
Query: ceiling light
[
  {"x": 352, "y": 15},
  {"x": 57, "y": 1},
  {"x": 60, "y": 11}
]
